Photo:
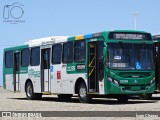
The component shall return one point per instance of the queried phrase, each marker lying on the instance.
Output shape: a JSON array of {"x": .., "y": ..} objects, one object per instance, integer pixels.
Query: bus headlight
[
  {"x": 113, "y": 81},
  {"x": 152, "y": 81},
  {"x": 109, "y": 79},
  {"x": 116, "y": 82}
]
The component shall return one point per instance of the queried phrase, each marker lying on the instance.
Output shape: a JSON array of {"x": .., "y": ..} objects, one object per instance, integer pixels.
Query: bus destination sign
[{"x": 129, "y": 36}]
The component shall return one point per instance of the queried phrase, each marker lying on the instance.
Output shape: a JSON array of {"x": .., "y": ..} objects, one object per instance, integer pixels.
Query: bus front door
[
  {"x": 95, "y": 65},
  {"x": 45, "y": 70},
  {"x": 16, "y": 69}
]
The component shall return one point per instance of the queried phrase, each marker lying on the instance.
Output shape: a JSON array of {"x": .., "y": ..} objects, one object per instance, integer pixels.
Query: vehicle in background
[{"x": 156, "y": 40}]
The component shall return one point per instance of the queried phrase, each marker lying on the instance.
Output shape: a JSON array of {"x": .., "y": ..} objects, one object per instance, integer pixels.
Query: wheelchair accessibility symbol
[{"x": 138, "y": 66}]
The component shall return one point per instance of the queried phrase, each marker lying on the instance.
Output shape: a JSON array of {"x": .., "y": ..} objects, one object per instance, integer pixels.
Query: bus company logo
[
  {"x": 71, "y": 68},
  {"x": 33, "y": 73},
  {"x": 13, "y": 13},
  {"x": 135, "y": 81}
]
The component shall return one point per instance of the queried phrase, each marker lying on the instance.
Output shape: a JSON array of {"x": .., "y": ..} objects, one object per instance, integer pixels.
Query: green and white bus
[
  {"x": 156, "y": 39},
  {"x": 110, "y": 63}
]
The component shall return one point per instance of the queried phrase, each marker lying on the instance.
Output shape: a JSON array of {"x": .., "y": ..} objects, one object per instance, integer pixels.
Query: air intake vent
[{"x": 134, "y": 74}]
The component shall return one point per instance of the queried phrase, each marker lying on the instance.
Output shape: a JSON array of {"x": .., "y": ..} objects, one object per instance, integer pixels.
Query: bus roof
[
  {"x": 40, "y": 41},
  {"x": 92, "y": 35},
  {"x": 58, "y": 39},
  {"x": 46, "y": 39}
]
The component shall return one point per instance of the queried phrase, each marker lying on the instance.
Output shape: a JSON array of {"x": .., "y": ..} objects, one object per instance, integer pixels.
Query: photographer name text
[{"x": 146, "y": 116}]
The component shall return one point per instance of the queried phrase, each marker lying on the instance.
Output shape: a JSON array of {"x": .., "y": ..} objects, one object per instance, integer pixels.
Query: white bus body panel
[
  {"x": 9, "y": 82},
  {"x": 23, "y": 78},
  {"x": 62, "y": 82},
  {"x": 34, "y": 76}
]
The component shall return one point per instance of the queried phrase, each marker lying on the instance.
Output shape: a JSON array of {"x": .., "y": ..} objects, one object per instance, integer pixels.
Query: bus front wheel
[
  {"x": 146, "y": 96},
  {"x": 30, "y": 93},
  {"x": 82, "y": 93}
]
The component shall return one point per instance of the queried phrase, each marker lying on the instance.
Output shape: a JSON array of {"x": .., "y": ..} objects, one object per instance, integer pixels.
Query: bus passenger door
[
  {"x": 16, "y": 68},
  {"x": 45, "y": 70},
  {"x": 95, "y": 65}
]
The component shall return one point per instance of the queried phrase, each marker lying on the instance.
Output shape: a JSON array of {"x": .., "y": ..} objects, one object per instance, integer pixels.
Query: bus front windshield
[{"x": 130, "y": 56}]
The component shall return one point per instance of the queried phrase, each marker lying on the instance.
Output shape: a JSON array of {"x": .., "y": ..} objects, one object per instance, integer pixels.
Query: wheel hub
[
  {"x": 82, "y": 92},
  {"x": 29, "y": 91}
]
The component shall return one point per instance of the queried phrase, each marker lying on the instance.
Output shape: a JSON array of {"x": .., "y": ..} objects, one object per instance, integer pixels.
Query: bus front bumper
[{"x": 134, "y": 90}]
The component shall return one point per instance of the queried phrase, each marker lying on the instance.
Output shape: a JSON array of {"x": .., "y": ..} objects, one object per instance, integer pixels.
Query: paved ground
[{"x": 17, "y": 102}]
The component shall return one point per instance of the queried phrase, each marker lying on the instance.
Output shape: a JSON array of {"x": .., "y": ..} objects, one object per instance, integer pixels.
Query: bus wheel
[
  {"x": 82, "y": 94},
  {"x": 146, "y": 96},
  {"x": 30, "y": 94},
  {"x": 149, "y": 96},
  {"x": 64, "y": 97},
  {"x": 122, "y": 99}
]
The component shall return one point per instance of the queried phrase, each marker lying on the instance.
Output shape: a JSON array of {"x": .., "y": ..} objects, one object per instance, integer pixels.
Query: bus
[
  {"x": 156, "y": 40},
  {"x": 115, "y": 64}
]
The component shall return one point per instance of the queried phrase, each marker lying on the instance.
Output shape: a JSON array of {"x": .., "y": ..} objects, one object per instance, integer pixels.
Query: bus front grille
[
  {"x": 134, "y": 74},
  {"x": 134, "y": 88}
]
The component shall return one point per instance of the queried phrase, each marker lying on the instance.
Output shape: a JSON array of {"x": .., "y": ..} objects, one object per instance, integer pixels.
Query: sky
[{"x": 37, "y": 19}]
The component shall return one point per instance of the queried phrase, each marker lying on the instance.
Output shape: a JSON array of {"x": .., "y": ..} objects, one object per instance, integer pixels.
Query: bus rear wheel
[
  {"x": 30, "y": 93},
  {"x": 82, "y": 94}
]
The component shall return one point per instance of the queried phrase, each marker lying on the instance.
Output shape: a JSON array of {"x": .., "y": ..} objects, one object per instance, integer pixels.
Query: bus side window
[
  {"x": 68, "y": 52},
  {"x": 35, "y": 56},
  {"x": 79, "y": 51},
  {"x": 56, "y": 53},
  {"x": 25, "y": 53},
  {"x": 9, "y": 59}
]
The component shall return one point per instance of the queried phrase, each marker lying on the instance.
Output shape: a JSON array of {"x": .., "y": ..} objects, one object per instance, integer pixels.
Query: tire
[
  {"x": 149, "y": 96},
  {"x": 146, "y": 96},
  {"x": 30, "y": 93},
  {"x": 122, "y": 99},
  {"x": 82, "y": 94},
  {"x": 65, "y": 97}
]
